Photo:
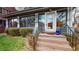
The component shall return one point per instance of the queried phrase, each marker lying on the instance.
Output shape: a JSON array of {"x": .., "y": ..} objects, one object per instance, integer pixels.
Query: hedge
[
  {"x": 25, "y": 31},
  {"x": 6, "y": 31},
  {"x": 18, "y": 31},
  {"x": 13, "y": 31}
]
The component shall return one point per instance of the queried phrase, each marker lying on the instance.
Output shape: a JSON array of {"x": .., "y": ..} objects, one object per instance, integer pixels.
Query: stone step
[
  {"x": 48, "y": 42},
  {"x": 56, "y": 40},
  {"x": 49, "y": 35},
  {"x": 42, "y": 48},
  {"x": 54, "y": 46}
]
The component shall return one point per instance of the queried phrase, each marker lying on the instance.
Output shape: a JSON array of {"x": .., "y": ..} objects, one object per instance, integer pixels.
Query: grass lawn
[{"x": 9, "y": 43}]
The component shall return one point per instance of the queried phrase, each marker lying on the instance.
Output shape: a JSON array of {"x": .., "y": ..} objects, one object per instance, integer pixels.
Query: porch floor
[{"x": 49, "y": 42}]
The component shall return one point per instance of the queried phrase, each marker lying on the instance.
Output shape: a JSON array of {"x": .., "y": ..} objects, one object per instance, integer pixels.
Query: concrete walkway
[{"x": 49, "y": 42}]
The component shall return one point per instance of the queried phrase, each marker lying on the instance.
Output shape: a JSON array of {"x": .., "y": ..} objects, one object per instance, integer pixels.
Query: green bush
[
  {"x": 29, "y": 30},
  {"x": 77, "y": 47},
  {"x": 6, "y": 31},
  {"x": 13, "y": 31},
  {"x": 18, "y": 31},
  {"x": 25, "y": 31}
]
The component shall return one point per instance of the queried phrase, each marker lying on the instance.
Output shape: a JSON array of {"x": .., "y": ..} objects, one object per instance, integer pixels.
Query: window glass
[
  {"x": 30, "y": 21},
  {"x": 41, "y": 23},
  {"x": 27, "y": 21},
  {"x": 50, "y": 21},
  {"x": 23, "y": 22},
  {"x": 61, "y": 16}
]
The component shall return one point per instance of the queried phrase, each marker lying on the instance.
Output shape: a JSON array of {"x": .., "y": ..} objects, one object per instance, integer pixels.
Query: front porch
[
  {"x": 57, "y": 21},
  {"x": 48, "y": 20}
]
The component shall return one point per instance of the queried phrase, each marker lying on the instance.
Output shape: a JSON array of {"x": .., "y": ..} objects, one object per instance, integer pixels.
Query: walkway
[{"x": 48, "y": 42}]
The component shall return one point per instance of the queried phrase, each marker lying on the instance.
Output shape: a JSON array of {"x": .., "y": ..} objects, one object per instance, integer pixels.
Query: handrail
[
  {"x": 73, "y": 36},
  {"x": 72, "y": 31}
]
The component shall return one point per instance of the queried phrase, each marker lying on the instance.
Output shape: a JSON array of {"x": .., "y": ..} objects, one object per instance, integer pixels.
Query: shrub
[
  {"x": 77, "y": 47},
  {"x": 2, "y": 29},
  {"x": 25, "y": 31},
  {"x": 18, "y": 31},
  {"x": 13, "y": 31},
  {"x": 29, "y": 30},
  {"x": 6, "y": 31}
]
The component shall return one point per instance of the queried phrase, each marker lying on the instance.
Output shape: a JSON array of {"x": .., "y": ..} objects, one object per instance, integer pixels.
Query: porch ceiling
[{"x": 32, "y": 11}]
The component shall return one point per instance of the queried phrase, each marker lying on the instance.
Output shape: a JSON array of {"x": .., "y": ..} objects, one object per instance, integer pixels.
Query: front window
[
  {"x": 23, "y": 22},
  {"x": 27, "y": 21},
  {"x": 30, "y": 21}
]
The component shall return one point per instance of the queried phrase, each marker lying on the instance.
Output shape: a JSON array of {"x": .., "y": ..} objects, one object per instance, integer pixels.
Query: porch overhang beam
[{"x": 32, "y": 11}]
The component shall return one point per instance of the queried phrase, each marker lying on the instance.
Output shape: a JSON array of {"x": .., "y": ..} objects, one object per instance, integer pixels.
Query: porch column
[
  {"x": 36, "y": 19},
  {"x": 36, "y": 24},
  {"x": 6, "y": 23},
  {"x": 69, "y": 19},
  {"x": 18, "y": 23}
]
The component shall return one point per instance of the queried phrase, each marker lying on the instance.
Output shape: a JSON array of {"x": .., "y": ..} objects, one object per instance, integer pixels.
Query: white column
[
  {"x": 45, "y": 21},
  {"x": 26, "y": 21},
  {"x": 69, "y": 19},
  {"x": 6, "y": 23},
  {"x": 55, "y": 21},
  {"x": 36, "y": 17},
  {"x": 36, "y": 24},
  {"x": 68, "y": 16},
  {"x": 18, "y": 25},
  {"x": 36, "y": 20}
]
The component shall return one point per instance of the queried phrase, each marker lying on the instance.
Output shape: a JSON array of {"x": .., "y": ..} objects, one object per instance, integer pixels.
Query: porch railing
[{"x": 71, "y": 35}]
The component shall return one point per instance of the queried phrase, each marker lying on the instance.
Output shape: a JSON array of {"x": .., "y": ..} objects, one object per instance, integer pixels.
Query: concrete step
[
  {"x": 53, "y": 46},
  {"x": 46, "y": 49},
  {"x": 43, "y": 48},
  {"x": 48, "y": 42},
  {"x": 53, "y": 39},
  {"x": 49, "y": 35}
]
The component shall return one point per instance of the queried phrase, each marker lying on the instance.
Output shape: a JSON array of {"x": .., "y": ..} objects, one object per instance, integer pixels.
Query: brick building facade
[{"x": 3, "y": 11}]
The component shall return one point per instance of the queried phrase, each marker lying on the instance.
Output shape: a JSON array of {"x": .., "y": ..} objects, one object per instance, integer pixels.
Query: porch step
[
  {"x": 48, "y": 42},
  {"x": 50, "y": 35}
]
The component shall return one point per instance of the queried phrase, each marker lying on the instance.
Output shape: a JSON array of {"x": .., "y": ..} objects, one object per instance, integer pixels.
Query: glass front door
[
  {"x": 41, "y": 22},
  {"x": 51, "y": 21}
]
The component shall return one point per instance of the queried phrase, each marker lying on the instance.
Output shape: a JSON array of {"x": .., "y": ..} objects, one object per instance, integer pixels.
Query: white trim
[
  {"x": 54, "y": 22},
  {"x": 6, "y": 23},
  {"x": 45, "y": 22},
  {"x": 18, "y": 25}
]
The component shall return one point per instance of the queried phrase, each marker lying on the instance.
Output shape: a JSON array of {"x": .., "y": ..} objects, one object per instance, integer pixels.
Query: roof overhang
[{"x": 33, "y": 10}]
